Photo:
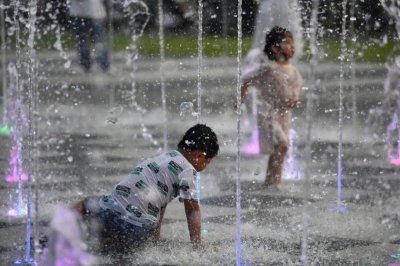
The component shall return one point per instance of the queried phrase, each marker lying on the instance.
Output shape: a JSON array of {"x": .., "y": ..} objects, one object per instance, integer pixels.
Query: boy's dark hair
[
  {"x": 200, "y": 137},
  {"x": 275, "y": 38}
]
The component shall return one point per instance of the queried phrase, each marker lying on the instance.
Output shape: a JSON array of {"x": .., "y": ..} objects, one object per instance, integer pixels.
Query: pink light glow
[
  {"x": 17, "y": 212},
  {"x": 253, "y": 147},
  {"x": 24, "y": 177},
  {"x": 10, "y": 179},
  {"x": 395, "y": 161},
  {"x": 14, "y": 178},
  {"x": 12, "y": 213}
]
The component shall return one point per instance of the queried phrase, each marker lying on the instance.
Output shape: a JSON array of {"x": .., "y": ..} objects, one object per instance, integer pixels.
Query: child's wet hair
[
  {"x": 275, "y": 38},
  {"x": 200, "y": 137}
]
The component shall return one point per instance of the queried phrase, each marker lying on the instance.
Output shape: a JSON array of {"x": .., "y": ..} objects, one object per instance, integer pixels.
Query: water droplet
[
  {"x": 186, "y": 108},
  {"x": 257, "y": 171},
  {"x": 67, "y": 64},
  {"x": 357, "y": 196}
]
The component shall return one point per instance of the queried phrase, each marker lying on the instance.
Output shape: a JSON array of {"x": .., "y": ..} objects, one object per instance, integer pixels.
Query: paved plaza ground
[{"x": 90, "y": 136}]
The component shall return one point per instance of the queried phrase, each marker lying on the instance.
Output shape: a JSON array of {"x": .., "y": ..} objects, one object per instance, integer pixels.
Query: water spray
[
  {"x": 290, "y": 168},
  {"x": 238, "y": 145},
  {"x": 309, "y": 118},
  {"x": 162, "y": 72},
  {"x": 132, "y": 9},
  {"x": 339, "y": 205}
]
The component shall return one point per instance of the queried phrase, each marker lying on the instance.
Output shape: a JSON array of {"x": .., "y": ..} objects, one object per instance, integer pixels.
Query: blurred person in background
[{"x": 87, "y": 22}]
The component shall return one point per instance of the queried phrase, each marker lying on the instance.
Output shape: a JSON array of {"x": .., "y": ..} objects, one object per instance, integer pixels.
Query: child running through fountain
[
  {"x": 278, "y": 84},
  {"x": 134, "y": 210}
]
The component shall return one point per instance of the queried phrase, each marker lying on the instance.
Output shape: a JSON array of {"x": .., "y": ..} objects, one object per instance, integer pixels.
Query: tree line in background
[{"x": 220, "y": 16}]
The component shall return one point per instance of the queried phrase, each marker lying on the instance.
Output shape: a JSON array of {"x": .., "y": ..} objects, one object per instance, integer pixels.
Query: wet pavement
[{"x": 86, "y": 145}]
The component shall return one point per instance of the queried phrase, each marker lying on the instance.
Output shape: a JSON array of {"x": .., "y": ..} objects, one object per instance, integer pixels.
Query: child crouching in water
[
  {"x": 133, "y": 212},
  {"x": 278, "y": 84}
]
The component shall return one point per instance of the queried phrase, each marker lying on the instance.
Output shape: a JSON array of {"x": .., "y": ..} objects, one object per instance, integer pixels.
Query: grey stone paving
[{"x": 81, "y": 153}]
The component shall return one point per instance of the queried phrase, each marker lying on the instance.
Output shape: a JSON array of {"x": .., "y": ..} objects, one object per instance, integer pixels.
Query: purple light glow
[
  {"x": 253, "y": 147},
  {"x": 338, "y": 209},
  {"x": 15, "y": 117},
  {"x": 66, "y": 246}
]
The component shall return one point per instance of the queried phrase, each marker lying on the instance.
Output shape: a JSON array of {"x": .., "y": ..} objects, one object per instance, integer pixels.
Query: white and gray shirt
[{"x": 150, "y": 186}]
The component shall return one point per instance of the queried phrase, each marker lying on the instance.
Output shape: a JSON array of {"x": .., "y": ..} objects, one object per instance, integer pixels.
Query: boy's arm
[
  {"x": 157, "y": 231},
  {"x": 193, "y": 216}
]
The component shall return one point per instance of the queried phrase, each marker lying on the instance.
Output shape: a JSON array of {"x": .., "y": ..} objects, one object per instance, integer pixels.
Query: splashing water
[
  {"x": 392, "y": 87},
  {"x": 379, "y": 118},
  {"x": 59, "y": 47},
  {"x": 15, "y": 114},
  {"x": 253, "y": 147},
  {"x": 114, "y": 113},
  {"x": 393, "y": 8},
  {"x": 290, "y": 169},
  {"x": 186, "y": 109},
  {"x": 200, "y": 59},
  {"x": 393, "y": 156},
  {"x": 239, "y": 115},
  {"x": 353, "y": 37},
  {"x": 309, "y": 118},
  {"x": 339, "y": 206},
  {"x": 133, "y": 9},
  {"x": 3, "y": 57},
  {"x": 162, "y": 73}
]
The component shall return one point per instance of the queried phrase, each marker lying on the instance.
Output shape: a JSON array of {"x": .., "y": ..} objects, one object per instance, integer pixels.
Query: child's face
[
  {"x": 201, "y": 161},
  {"x": 286, "y": 49}
]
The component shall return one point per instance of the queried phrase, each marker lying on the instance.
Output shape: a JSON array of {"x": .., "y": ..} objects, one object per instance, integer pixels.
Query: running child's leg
[{"x": 275, "y": 164}]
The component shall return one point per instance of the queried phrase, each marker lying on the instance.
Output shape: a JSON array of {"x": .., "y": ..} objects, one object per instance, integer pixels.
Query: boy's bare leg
[{"x": 275, "y": 164}]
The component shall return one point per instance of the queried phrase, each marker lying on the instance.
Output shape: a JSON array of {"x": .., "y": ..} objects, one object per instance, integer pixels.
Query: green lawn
[
  {"x": 365, "y": 50},
  {"x": 185, "y": 47}
]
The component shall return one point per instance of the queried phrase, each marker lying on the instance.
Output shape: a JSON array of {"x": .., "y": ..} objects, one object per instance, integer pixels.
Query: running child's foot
[
  {"x": 277, "y": 187},
  {"x": 271, "y": 187},
  {"x": 283, "y": 188}
]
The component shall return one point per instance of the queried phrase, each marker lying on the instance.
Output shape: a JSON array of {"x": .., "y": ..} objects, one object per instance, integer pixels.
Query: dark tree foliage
[
  {"x": 220, "y": 16},
  {"x": 371, "y": 18}
]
